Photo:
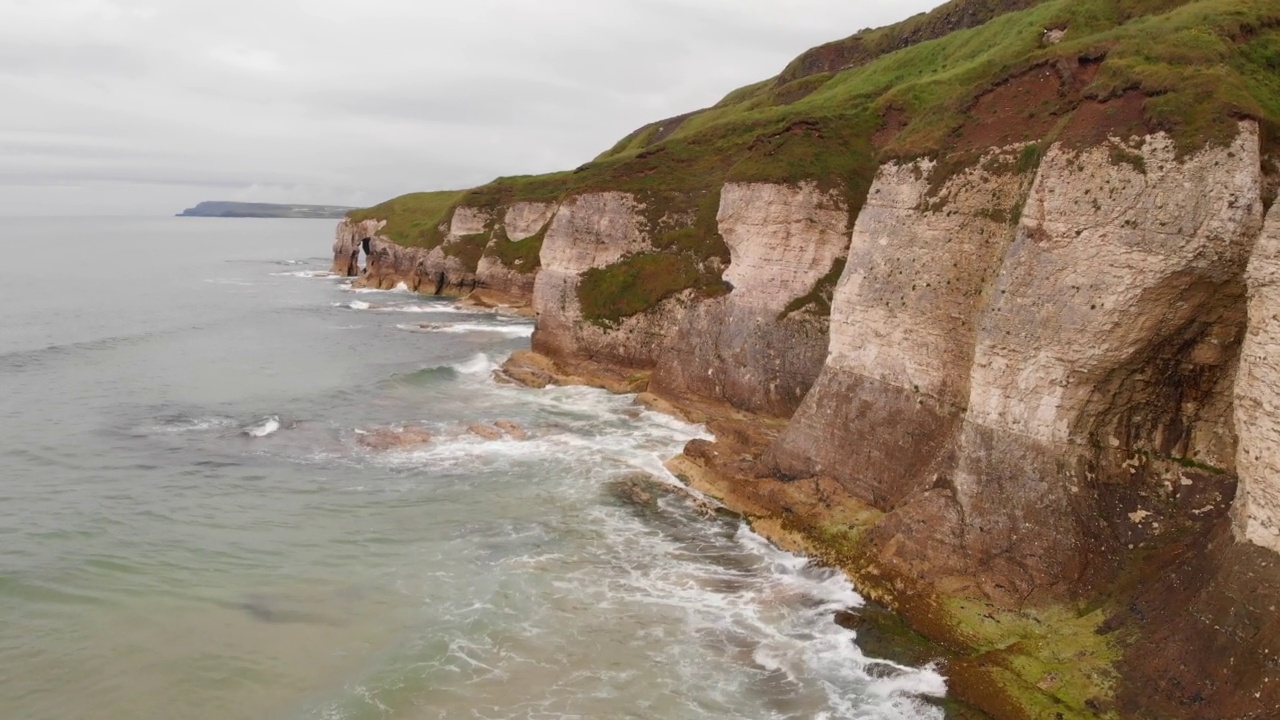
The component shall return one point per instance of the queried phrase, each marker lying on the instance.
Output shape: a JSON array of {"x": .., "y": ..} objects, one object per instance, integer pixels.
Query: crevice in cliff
[{"x": 1161, "y": 400}]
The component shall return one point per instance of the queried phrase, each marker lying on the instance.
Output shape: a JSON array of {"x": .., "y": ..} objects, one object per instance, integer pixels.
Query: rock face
[
  {"x": 903, "y": 321},
  {"x": 347, "y": 244},
  {"x": 1039, "y": 372},
  {"x": 1257, "y": 397},
  {"x": 451, "y": 267},
  {"x": 751, "y": 348},
  {"x": 526, "y": 219},
  {"x": 748, "y": 347},
  {"x": 590, "y": 232},
  {"x": 1027, "y": 391}
]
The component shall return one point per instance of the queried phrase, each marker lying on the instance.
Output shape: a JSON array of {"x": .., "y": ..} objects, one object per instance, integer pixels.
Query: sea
[{"x": 193, "y": 523}]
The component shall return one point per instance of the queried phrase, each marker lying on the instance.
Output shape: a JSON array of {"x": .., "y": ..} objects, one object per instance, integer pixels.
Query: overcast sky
[{"x": 149, "y": 106}]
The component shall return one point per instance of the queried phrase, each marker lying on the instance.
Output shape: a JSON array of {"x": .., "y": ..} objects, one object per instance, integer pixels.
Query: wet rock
[
  {"x": 514, "y": 431},
  {"x": 391, "y": 438},
  {"x": 488, "y": 432}
]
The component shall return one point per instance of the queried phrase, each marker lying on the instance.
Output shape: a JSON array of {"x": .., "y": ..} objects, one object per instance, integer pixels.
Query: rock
[
  {"x": 394, "y": 438},
  {"x": 347, "y": 244},
  {"x": 1257, "y": 397},
  {"x": 488, "y": 432},
  {"x": 523, "y": 220},
  {"x": 750, "y": 347},
  {"x": 514, "y": 431}
]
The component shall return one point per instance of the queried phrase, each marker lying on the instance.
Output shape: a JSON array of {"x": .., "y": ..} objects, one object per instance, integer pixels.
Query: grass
[
  {"x": 818, "y": 300},
  {"x": 522, "y": 256},
  {"x": 413, "y": 220},
  {"x": 1195, "y": 66},
  {"x": 639, "y": 282},
  {"x": 469, "y": 249}
]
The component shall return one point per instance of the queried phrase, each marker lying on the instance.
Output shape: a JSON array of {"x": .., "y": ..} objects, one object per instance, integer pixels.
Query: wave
[
  {"x": 353, "y": 305},
  {"x": 263, "y": 428},
  {"x": 39, "y": 357},
  {"x": 512, "y": 331},
  {"x": 478, "y": 364},
  {"x": 413, "y": 309},
  {"x": 756, "y": 626},
  {"x": 441, "y": 308},
  {"x": 318, "y": 274},
  {"x": 179, "y": 423}
]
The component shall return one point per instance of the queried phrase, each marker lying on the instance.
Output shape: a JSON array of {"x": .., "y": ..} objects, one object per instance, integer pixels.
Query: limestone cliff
[
  {"x": 473, "y": 256},
  {"x": 983, "y": 308},
  {"x": 1257, "y": 397}
]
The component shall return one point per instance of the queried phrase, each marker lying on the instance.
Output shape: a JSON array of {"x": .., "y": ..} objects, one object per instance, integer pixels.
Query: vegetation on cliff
[{"x": 968, "y": 75}]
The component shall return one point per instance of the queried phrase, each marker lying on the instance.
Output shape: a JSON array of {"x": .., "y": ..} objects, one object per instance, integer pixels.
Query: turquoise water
[{"x": 192, "y": 527}]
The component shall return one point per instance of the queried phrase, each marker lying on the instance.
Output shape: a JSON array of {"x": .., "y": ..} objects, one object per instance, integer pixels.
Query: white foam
[
  {"x": 187, "y": 424},
  {"x": 400, "y": 287},
  {"x": 264, "y": 428},
  {"x": 353, "y": 305},
  {"x": 479, "y": 364},
  {"x": 441, "y": 308},
  {"x": 324, "y": 274},
  {"x": 512, "y": 331}
]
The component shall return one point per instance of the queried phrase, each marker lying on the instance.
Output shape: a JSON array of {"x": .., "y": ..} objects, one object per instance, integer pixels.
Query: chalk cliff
[{"x": 983, "y": 308}]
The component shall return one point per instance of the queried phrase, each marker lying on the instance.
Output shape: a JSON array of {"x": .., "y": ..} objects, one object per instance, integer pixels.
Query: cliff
[{"x": 981, "y": 307}]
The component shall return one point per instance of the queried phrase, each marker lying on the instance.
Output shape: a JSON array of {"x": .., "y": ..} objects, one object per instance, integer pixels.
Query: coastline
[{"x": 826, "y": 531}]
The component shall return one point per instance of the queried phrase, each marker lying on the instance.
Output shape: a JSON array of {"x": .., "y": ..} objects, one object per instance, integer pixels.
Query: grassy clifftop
[{"x": 970, "y": 74}]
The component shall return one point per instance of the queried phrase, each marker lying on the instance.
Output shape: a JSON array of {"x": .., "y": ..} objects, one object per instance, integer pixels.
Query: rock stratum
[{"x": 983, "y": 308}]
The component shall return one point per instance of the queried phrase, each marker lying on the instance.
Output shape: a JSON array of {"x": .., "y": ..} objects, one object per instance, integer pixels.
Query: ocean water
[{"x": 190, "y": 526}]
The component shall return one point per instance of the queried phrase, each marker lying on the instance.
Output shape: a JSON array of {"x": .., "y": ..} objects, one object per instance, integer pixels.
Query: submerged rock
[
  {"x": 394, "y": 438},
  {"x": 514, "y": 431},
  {"x": 488, "y": 432}
]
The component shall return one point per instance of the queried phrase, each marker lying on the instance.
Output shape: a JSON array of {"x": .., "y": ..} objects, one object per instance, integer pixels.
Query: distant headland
[{"x": 216, "y": 208}]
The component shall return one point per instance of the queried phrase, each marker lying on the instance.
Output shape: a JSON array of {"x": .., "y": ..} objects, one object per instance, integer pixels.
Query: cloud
[{"x": 149, "y": 103}]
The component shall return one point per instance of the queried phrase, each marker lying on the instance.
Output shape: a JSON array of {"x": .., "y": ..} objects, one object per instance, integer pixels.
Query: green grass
[
  {"x": 818, "y": 300},
  {"x": 522, "y": 256},
  {"x": 413, "y": 220},
  {"x": 637, "y": 283},
  {"x": 468, "y": 249},
  {"x": 1197, "y": 66}
]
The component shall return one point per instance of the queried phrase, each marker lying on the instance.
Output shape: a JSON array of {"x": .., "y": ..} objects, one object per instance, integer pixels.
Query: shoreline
[{"x": 725, "y": 470}]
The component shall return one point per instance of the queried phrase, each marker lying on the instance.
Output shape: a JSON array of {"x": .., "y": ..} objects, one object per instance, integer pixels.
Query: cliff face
[
  {"x": 1257, "y": 397},
  {"x": 988, "y": 317},
  {"x": 475, "y": 255},
  {"x": 1049, "y": 380},
  {"x": 591, "y": 232},
  {"x": 749, "y": 346},
  {"x": 759, "y": 347}
]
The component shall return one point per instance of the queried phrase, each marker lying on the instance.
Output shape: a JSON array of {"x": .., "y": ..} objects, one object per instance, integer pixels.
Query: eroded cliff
[{"x": 989, "y": 318}]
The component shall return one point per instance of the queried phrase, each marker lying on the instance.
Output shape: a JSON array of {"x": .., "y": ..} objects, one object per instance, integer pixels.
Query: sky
[{"x": 145, "y": 107}]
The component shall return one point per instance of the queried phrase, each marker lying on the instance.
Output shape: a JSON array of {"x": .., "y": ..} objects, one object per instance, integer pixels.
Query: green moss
[
  {"x": 468, "y": 249},
  {"x": 1048, "y": 658},
  {"x": 1121, "y": 155},
  {"x": 818, "y": 300},
  {"x": 522, "y": 255},
  {"x": 1029, "y": 158},
  {"x": 637, "y": 283}
]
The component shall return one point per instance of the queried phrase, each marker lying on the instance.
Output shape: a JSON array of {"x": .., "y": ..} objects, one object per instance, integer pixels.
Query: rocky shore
[{"x": 1007, "y": 355}]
